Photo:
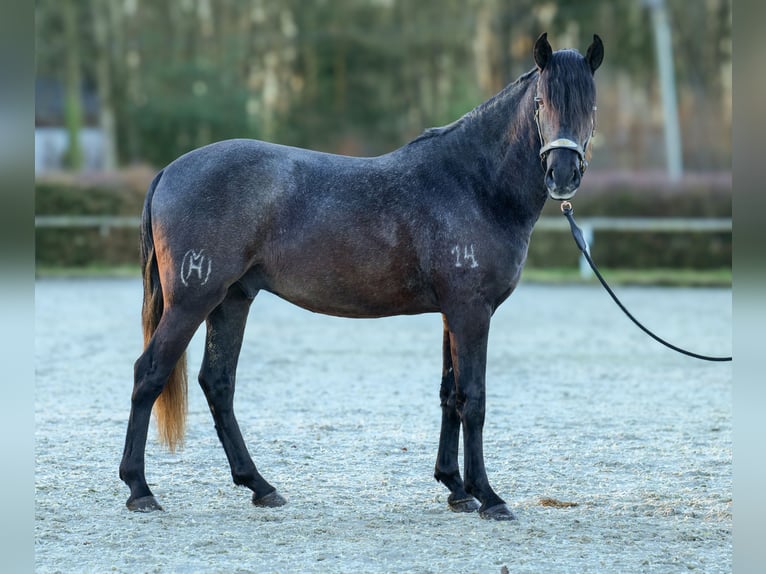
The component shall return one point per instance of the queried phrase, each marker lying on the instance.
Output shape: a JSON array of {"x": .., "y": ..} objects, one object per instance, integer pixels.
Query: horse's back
[
  {"x": 225, "y": 173},
  {"x": 244, "y": 173}
]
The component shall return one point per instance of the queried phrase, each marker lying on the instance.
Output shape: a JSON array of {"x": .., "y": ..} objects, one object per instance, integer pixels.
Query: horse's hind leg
[
  {"x": 151, "y": 373},
  {"x": 447, "y": 469},
  {"x": 225, "y": 329}
]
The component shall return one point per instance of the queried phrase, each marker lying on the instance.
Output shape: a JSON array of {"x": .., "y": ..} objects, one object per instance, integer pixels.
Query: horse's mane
[
  {"x": 478, "y": 110},
  {"x": 565, "y": 84}
]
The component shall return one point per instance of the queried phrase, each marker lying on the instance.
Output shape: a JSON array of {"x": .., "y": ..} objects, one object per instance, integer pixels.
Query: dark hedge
[{"x": 602, "y": 194}]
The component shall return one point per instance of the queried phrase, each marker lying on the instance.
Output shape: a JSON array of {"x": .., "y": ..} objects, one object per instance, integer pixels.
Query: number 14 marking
[{"x": 464, "y": 256}]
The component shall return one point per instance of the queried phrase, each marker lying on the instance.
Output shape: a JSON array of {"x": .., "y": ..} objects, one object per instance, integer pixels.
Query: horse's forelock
[{"x": 567, "y": 87}]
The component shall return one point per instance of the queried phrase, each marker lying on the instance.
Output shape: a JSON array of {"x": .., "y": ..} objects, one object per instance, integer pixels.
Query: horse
[{"x": 440, "y": 225}]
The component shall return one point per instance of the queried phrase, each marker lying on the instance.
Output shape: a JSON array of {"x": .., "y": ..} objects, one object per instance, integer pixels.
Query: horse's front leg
[
  {"x": 447, "y": 470},
  {"x": 468, "y": 333}
]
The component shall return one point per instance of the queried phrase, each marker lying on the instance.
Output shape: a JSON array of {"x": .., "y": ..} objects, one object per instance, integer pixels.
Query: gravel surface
[{"x": 342, "y": 416}]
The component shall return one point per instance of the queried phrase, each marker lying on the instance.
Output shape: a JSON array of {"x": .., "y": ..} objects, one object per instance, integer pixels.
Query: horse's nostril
[
  {"x": 549, "y": 181},
  {"x": 576, "y": 177},
  {"x": 563, "y": 178}
]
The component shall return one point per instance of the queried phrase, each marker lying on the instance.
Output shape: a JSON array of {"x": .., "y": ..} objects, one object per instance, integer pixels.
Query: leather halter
[{"x": 564, "y": 143}]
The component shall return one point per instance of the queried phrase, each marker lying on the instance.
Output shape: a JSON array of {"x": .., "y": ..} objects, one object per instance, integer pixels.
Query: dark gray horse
[{"x": 440, "y": 225}]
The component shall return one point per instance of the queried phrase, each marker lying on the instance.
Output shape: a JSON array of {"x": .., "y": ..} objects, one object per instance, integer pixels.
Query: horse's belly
[{"x": 351, "y": 291}]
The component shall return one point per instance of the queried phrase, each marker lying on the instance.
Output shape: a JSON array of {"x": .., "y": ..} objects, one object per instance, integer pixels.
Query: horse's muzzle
[
  {"x": 562, "y": 180},
  {"x": 564, "y": 164}
]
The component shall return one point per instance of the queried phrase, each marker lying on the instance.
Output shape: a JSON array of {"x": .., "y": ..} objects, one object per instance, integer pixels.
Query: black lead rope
[{"x": 567, "y": 210}]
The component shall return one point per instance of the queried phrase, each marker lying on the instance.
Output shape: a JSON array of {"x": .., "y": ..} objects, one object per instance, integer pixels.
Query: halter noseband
[{"x": 565, "y": 143}]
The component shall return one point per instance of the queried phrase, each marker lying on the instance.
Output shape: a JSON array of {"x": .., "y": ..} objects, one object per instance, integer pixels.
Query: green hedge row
[
  {"x": 612, "y": 195},
  {"x": 643, "y": 195},
  {"x": 116, "y": 194}
]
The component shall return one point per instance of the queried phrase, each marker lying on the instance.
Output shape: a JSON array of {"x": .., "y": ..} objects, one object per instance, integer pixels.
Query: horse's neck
[
  {"x": 501, "y": 136},
  {"x": 508, "y": 111}
]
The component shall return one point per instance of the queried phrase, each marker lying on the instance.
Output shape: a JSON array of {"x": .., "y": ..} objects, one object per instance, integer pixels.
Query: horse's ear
[
  {"x": 543, "y": 51},
  {"x": 595, "y": 53}
]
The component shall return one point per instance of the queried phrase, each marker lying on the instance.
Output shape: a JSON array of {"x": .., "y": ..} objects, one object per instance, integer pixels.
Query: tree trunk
[
  {"x": 73, "y": 157},
  {"x": 106, "y": 116}
]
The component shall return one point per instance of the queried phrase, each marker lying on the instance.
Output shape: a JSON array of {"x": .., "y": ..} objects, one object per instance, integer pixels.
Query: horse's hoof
[
  {"x": 497, "y": 512},
  {"x": 469, "y": 504},
  {"x": 272, "y": 500},
  {"x": 143, "y": 504}
]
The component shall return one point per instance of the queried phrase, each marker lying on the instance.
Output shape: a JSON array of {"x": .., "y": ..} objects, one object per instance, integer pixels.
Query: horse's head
[{"x": 565, "y": 113}]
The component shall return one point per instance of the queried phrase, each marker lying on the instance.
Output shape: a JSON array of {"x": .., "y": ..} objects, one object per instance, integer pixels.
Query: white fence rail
[
  {"x": 103, "y": 222},
  {"x": 662, "y": 224},
  {"x": 589, "y": 225}
]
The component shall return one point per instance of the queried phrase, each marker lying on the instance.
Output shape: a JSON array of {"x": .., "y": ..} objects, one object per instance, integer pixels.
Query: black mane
[{"x": 477, "y": 111}]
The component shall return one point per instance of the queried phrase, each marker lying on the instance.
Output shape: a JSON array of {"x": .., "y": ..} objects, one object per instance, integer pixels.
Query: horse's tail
[{"x": 171, "y": 406}]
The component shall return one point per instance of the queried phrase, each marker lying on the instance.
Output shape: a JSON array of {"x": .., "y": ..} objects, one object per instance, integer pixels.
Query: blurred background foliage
[
  {"x": 362, "y": 77},
  {"x": 365, "y": 76}
]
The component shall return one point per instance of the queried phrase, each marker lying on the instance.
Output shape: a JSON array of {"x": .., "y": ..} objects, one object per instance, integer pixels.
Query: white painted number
[{"x": 464, "y": 256}]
